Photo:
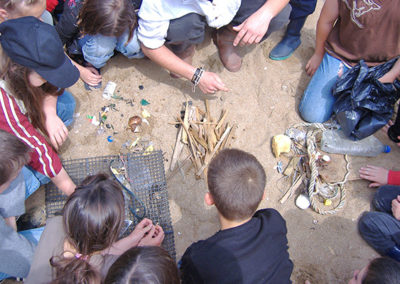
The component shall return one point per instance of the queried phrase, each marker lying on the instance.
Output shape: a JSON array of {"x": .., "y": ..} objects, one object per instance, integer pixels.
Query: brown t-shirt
[{"x": 366, "y": 29}]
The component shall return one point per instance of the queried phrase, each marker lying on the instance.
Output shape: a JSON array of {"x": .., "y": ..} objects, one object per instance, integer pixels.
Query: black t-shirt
[{"x": 252, "y": 253}]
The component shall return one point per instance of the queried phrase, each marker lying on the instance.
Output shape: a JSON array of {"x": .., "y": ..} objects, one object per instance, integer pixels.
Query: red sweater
[
  {"x": 394, "y": 177},
  {"x": 51, "y": 5},
  {"x": 43, "y": 158}
]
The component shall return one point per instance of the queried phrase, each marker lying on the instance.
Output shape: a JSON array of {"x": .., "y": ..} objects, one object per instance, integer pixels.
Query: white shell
[
  {"x": 302, "y": 201},
  {"x": 326, "y": 158}
]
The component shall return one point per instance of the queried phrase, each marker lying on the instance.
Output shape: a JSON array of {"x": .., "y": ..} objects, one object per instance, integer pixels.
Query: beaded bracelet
[{"x": 196, "y": 77}]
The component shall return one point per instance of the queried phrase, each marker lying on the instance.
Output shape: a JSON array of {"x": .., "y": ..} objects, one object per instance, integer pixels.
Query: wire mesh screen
[{"x": 142, "y": 178}]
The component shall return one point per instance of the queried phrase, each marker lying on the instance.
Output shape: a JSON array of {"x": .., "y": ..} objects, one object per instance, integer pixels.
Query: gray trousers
[
  {"x": 190, "y": 29},
  {"x": 380, "y": 229}
]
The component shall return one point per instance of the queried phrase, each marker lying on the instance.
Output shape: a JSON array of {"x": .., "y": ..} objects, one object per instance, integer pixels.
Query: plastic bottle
[{"x": 334, "y": 141}]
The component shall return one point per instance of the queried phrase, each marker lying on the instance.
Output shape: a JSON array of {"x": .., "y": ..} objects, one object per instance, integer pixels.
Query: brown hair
[
  {"x": 16, "y": 77},
  {"x": 143, "y": 265},
  {"x": 107, "y": 17},
  {"x": 14, "y": 154},
  {"x": 236, "y": 181},
  {"x": 93, "y": 217},
  {"x": 382, "y": 270}
]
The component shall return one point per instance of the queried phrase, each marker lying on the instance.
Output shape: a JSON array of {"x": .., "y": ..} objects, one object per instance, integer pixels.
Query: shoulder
[{"x": 271, "y": 218}]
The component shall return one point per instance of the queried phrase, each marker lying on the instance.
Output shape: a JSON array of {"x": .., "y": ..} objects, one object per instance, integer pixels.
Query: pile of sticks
[{"x": 202, "y": 135}]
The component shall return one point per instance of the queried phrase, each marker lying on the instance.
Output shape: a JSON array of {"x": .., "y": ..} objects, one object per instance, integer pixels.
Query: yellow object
[
  {"x": 149, "y": 150},
  {"x": 280, "y": 144},
  {"x": 328, "y": 202},
  {"x": 145, "y": 114}
]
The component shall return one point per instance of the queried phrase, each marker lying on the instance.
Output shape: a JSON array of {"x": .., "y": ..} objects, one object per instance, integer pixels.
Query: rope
[{"x": 313, "y": 190}]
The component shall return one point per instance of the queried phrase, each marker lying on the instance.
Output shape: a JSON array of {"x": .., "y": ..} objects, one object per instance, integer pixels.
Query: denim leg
[
  {"x": 316, "y": 105},
  {"x": 66, "y": 107},
  {"x": 98, "y": 49},
  {"x": 380, "y": 230},
  {"x": 33, "y": 235},
  {"x": 132, "y": 48},
  {"x": 33, "y": 180},
  {"x": 383, "y": 197}
]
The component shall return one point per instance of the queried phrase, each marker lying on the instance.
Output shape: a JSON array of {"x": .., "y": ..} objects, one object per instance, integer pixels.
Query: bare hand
[
  {"x": 313, "y": 63},
  {"x": 253, "y": 29},
  {"x": 211, "y": 83},
  {"x": 90, "y": 75},
  {"x": 141, "y": 230},
  {"x": 56, "y": 129},
  {"x": 396, "y": 207},
  {"x": 378, "y": 175},
  {"x": 154, "y": 237}
]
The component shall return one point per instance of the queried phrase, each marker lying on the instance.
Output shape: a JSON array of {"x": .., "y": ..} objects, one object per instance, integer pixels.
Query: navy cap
[{"x": 37, "y": 45}]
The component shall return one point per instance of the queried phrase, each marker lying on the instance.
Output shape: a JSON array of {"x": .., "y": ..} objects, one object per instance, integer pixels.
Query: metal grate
[{"x": 145, "y": 189}]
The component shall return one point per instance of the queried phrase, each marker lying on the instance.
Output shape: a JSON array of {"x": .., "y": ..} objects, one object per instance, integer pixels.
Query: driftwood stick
[
  {"x": 221, "y": 121},
  {"x": 291, "y": 189},
  {"x": 194, "y": 151},
  {"x": 177, "y": 150},
  {"x": 228, "y": 129}
]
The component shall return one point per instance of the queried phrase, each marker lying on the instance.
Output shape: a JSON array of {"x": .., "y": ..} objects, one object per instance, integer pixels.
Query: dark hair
[
  {"x": 143, "y": 265},
  {"x": 236, "y": 181},
  {"x": 14, "y": 154},
  {"x": 107, "y": 17},
  {"x": 382, "y": 270},
  {"x": 93, "y": 217},
  {"x": 16, "y": 77}
]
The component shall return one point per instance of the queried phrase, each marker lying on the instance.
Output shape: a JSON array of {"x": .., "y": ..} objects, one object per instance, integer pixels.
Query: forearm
[
  {"x": 10, "y": 221},
  {"x": 326, "y": 21},
  {"x": 123, "y": 245},
  {"x": 167, "y": 59},
  {"x": 395, "y": 71},
  {"x": 272, "y": 8},
  {"x": 50, "y": 105},
  {"x": 64, "y": 182}
]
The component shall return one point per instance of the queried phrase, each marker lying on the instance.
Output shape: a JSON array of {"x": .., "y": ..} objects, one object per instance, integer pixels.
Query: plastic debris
[
  {"x": 280, "y": 144},
  {"x": 141, "y": 87},
  {"x": 279, "y": 167},
  {"x": 143, "y": 102},
  {"x": 145, "y": 114},
  {"x": 328, "y": 202},
  {"x": 109, "y": 90},
  {"x": 110, "y": 139},
  {"x": 302, "y": 201}
]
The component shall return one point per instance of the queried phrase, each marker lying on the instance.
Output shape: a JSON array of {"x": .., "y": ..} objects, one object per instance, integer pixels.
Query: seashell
[
  {"x": 302, "y": 201},
  {"x": 134, "y": 122}
]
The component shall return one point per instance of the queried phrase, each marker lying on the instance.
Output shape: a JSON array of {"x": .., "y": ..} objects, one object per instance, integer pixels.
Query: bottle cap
[{"x": 387, "y": 149}]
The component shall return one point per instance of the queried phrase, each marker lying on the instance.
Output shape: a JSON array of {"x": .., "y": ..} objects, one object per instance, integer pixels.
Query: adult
[
  {"x": 169, "y": 29},
  {"x": 347, "y": 32}
]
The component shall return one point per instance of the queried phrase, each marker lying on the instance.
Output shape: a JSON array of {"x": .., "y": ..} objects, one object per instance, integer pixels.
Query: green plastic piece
[{"x": 143, "y": 102}]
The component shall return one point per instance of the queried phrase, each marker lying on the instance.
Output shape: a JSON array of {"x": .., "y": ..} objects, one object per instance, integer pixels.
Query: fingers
[
  {"x": 374, "y": 184},
  {"x": 144, "y": 223},
  {"x": 240, "y": 34}
]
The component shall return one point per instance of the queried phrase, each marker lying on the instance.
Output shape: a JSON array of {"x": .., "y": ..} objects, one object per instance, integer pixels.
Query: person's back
[{"x": 249, "y": 248}]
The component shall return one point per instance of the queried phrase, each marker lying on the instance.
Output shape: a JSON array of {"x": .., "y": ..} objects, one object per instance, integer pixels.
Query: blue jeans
[
  {"x": 316, "y": 105},
  {"x": 97, "y": 49},
  {"x": 380, "y": 229}
]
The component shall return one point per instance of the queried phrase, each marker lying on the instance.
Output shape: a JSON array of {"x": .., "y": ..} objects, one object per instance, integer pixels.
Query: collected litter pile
[{"x": 202, "y": 135}]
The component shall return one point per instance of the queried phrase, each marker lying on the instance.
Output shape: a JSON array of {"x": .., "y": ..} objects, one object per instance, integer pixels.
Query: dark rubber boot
[
  {"x": 394, "y": 253},
  {"x": 290, "y": 41}
]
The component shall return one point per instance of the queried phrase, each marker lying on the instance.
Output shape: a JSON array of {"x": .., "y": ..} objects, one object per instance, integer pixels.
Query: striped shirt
[{"x": 44, "y": 159}]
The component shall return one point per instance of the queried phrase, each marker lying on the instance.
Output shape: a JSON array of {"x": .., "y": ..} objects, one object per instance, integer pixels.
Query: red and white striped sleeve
[{"x": 43, "y": 158}]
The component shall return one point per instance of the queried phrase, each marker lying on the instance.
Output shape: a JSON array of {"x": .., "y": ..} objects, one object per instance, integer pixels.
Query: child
[
  {"x": 16, "y": 249},
  {"x": 95, "y": 28},
  {"x": 80, "y": 246},
  {"x": 33, "y": 55},
  {"x": 168, "y": 31},
  {"x": 143, "y": 265},
  {"x": 12, "y": 9},
  {"x": 380, "y": 270},
  {"x": 251, "y": 246}
]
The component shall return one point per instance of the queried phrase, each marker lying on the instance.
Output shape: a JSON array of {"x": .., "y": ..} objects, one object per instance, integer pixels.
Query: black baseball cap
[{"x": 37, "y": 45}]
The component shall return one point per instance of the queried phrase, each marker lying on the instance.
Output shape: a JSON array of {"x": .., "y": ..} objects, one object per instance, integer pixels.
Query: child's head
[
  {"x": 14, "y": 154},
  {"x": 32, "y": 54},
  {"x": 236, "y": 181},
  {"x": 93, "y": 217},
  {"x": 143, "y": 265},
  {"x": 12, "y": 9},
  {"x": 382, "y": 270},
  {"x": 107, "y": 17}
]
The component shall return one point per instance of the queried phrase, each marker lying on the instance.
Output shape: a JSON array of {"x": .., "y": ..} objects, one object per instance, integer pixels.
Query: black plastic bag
[{"x": 363, "y": 104}]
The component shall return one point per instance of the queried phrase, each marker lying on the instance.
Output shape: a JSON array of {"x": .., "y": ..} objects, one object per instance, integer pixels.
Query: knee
[
  {"x": 68, "y": 100},
  {"x": 130, "y": 49},
  {"x": 367, "y": 224},
  {"x": 313, "y": 113}
]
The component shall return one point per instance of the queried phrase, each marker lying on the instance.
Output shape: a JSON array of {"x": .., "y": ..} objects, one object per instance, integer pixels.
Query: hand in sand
[
  {"x": 313, "y": 63},
  {"x": 396, "y": 207},
  {"x": 56, "y": 130},
  {"x": 378, "y": 175},
  {"x": 154, "y": 237},
  {"x": 211, "y": 83},
  {"x": 90, "y": 75}
]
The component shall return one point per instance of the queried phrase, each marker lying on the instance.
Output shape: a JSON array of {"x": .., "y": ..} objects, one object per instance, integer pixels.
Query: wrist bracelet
[{"x": 196, "y": 77}]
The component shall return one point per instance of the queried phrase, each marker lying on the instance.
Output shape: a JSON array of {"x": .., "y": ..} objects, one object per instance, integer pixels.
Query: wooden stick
[
  {"x": 221, "y": 121},
  {"x": 186, "y": 123},
  {"x": 228, "y": 129},
  {"x": 229, "y": 138},
  {"x": 292, "y": 188},
  {"x": 194, "y": 152},
  {"x": 177, "y": 150},
  {"x": 199, "y": 140},
  {"x": 208, "y": 114}
]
